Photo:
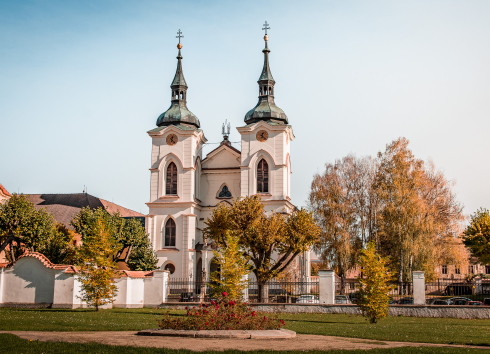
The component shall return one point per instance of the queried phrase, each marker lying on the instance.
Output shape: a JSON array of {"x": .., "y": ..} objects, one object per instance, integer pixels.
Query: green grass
[
  {"x": 403, "y": 329},
  {"x": 13, "y": 344},
  {"x": 406, "y": 329}
]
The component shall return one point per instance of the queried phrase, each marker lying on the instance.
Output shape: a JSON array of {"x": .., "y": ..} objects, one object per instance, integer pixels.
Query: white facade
[
  {"x": 177, "y": 215},
  {"x": 200, "y": 182}
]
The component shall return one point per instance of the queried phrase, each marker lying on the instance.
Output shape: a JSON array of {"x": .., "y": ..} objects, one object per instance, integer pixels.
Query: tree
[
  {"x": 374, "y": 285},
  {"x": 130, "y": 237},
  {"x": 477, "y": 235},
  {"x": 96, "y": 264},
  {"x": 338, "y": 203},
  {"x": 271, "y": 242},
  {"x": 23, "y": 228},
  {"x": 233, "y": 267}
]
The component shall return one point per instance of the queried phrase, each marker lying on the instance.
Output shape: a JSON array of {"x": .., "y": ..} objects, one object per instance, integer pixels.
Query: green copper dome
[
  {"x": 178, "y": 113},
  {"x": 266, "y": 108}
]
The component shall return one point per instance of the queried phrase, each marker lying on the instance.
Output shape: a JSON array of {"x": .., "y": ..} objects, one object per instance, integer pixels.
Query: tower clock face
[
  {"x": 172, "y": 139},
  {"x": 262, "y": 136}
]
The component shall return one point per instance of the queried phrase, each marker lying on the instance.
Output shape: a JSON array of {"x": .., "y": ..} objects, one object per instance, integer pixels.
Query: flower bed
[{"x": 223, "y": 314}]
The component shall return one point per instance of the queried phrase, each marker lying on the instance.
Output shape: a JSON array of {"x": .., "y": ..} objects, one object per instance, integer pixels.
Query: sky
[{"x": 81, "y": 82}]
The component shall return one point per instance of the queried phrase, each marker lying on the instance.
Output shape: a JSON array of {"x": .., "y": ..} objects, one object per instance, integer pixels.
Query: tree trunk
[
  {"x": 263, "y": 292},
  {"x": 400, "y": 274},
  {"x": 342, "y": 283}
]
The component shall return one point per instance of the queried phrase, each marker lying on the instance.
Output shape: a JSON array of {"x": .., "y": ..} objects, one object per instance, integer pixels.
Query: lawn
[
  {"x": 13, "y": 344},
  {"x": 407, "y": 329}
]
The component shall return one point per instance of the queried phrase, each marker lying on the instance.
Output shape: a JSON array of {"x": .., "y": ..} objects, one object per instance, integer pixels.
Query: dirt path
[{"x": 301, "y": 342}]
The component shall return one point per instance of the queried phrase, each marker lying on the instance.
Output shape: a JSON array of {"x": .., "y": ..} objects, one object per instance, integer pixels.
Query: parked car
[
  {"x": 487, "y": 301},
  {"x": 307, "y": 299},
  {"x": 188, "y": 297},
  {"x": 440, "y": 302},
  {"x": 354, "y": 297},
  {"x": 342, "y": 299},
  {"x": 475, "y": 303},
  {"x": 457, "y": 300},
  {"x": 460, "y": 302},
  {"x": 405, "y": 301}
]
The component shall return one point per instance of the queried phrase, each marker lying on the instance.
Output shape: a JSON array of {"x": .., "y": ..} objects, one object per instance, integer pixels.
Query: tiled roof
[
  {"x": 4, "y": 191},
  {"x": 45, "y": 261},
  {"x": 135, "y": 273},
  {"x": 64, "y": 207}
]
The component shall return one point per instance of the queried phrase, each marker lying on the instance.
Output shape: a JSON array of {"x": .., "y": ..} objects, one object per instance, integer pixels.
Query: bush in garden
[{"x": 224, "y": 314}]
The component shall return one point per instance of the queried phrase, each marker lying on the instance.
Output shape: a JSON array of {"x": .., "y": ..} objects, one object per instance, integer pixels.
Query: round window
[{"x": 170, "y": 267}]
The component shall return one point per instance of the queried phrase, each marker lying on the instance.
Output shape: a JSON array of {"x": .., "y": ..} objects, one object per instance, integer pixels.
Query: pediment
[{"x": 222, "y": 157}]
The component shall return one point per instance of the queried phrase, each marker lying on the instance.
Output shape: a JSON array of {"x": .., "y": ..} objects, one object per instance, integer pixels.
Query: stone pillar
[
  {"x": 418, "y": 279},
  {"x": 327, "y": 286},
  {"x": 245, "y": 291}
]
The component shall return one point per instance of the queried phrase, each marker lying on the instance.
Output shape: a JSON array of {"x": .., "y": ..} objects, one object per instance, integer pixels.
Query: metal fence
[
  {"x": 476, "y": 289},
  {"x": 286, "y": 292},
  {"x": 401, "y": 293},
  {"x": 182, "y": 289}
]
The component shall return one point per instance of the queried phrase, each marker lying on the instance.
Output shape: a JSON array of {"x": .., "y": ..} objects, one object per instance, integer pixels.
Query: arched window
[
  {"x": 262, "y": 177},
  {"x": 170, "y": 231},
  {"x": 170, "y": 267},
  {"x": 225, "y": 192},
  {"x": 171, "y": 187}
]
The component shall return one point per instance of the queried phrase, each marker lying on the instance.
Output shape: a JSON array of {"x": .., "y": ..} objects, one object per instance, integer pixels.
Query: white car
[
  {"x": 308, "y": 299},
  {"x": 342, "y": 299}
]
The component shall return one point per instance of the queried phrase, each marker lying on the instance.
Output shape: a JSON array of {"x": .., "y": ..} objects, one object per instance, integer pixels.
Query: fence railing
[{"x": 182, "y": 289}]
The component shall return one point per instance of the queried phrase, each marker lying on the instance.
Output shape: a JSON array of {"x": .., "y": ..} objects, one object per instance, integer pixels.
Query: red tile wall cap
[
  {"x": 135, "y": 273},
  {"x": 46, "y": 262}
]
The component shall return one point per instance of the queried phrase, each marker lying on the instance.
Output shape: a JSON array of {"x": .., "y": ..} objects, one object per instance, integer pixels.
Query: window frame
[
  {"x": 171, "y": 179},
  {"x": 263, "y": 173},
  {"x": 168, "y": 233}
]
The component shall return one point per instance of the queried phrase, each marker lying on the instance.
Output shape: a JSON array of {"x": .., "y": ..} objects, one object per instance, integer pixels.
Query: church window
[
  {"x": 263, "y": 177},
  {"x": 170, "y": 231},
  {"x": 225, "y": 192},
  {"x": 170, "y": 267},
  {"x": 171, "y": 187}
]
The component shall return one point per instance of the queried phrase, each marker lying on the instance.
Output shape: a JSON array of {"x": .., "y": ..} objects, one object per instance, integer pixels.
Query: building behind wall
[{"x": 185, "y": 187}]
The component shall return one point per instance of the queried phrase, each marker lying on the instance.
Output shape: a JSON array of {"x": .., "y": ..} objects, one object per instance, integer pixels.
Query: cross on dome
[
  {"x": 179, "y": 35},
  {"x": 266, "y": 27}
]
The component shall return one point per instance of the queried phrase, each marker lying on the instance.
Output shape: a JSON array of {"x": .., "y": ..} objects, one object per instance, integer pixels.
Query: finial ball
[
  {"x": 179, "y": 46},
  {"x": 266, "y": 38}
]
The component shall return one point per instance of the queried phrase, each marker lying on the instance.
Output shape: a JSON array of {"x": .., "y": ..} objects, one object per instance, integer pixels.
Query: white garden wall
[{"x": 34, "y": 281}]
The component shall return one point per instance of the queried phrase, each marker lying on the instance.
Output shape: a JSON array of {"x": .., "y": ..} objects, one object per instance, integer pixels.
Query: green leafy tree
[
  {"x": 233, "y": 267},
  {"x": 477, "y": 235},
  {"x": 131, "y": 242},
  {"x": 96, "y": 266},
  {"x": 24, "y": 228},
  {"x": 375, "y": 284},
  {"x": 271, "y": 242}
]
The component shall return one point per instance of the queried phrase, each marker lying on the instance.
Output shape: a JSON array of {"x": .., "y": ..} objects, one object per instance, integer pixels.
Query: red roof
[
  {"x": 64, "y": 207},
  {"x": 4, "y": 191}
]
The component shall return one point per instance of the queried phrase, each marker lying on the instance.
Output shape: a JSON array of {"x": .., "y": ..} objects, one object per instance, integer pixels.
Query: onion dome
[
  {"x": 178, "y": 113},
  {"x": 266, "y": 108}
]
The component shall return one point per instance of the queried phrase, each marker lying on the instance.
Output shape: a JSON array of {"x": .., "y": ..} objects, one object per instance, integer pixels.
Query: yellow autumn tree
[
  {"x": 375, "y": 284},
  {"x": 96, "y": 266}
]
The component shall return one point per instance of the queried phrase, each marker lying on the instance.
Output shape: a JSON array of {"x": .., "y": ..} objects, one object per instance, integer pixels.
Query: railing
[
  {"x": 184, "y": 289},
  {"x": 476, "y": 290},
  {"x": 285, "y": 292},
  {"x": 401, "y": 293}
]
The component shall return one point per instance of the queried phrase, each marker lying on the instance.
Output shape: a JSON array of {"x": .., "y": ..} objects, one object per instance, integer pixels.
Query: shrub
[{"x": 223, "y": 314}]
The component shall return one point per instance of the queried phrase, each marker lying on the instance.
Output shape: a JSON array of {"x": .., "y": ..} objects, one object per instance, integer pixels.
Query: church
[{"x": 185, "y": 187}]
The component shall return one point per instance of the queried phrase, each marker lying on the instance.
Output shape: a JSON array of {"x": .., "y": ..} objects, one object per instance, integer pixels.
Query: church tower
[
  {"x": 265, "y": 139},
  {"x": 176, "y": 151}
]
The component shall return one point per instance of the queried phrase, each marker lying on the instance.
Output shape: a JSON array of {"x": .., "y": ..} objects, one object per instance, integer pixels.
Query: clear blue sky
[{"x": 82, "y": 81}]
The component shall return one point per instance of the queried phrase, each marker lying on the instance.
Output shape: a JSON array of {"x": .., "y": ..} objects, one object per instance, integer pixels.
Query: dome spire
[
  {"x": 178, "y": 113},
  {"x": 266, "y": 108}
]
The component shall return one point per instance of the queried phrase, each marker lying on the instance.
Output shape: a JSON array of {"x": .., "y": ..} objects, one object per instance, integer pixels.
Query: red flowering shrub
[{"x": 223, "y": 314}]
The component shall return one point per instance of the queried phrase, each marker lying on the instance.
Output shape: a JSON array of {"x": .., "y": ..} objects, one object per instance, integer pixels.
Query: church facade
[{"x": 185, "y": 187}]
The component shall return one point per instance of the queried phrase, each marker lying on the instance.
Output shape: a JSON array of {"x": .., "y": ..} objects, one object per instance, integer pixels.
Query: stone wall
[{"x": 468, "y": 312}]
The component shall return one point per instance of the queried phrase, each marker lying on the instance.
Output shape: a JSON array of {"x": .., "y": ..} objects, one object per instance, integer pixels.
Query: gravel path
[{"x": 300, "y": 342}]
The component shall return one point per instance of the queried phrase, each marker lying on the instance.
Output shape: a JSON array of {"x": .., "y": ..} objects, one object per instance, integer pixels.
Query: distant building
[
  {"x": 4, "y": 194},
  {"x": 64, "y": 207}
]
